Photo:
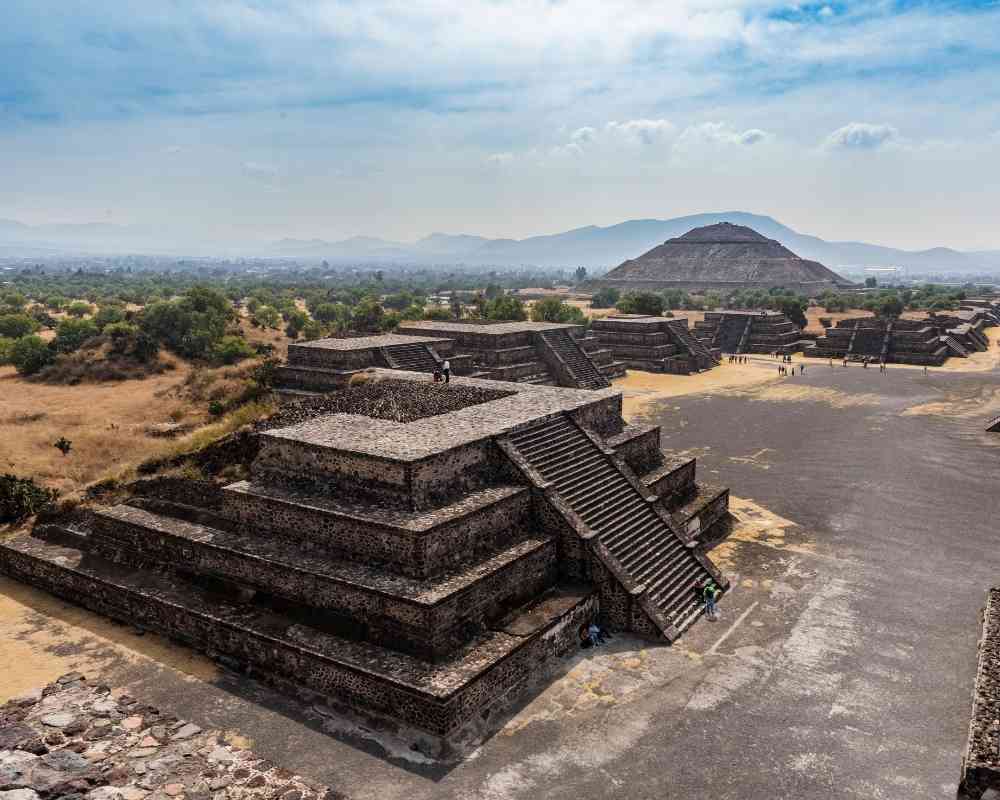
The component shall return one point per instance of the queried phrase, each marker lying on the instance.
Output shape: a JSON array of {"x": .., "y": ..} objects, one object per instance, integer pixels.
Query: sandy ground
[{"x": 43, "y": 638}]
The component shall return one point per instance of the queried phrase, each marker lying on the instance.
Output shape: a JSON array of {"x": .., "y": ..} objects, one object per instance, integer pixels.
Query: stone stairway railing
[
  {"x": 993, "y": 426},
  {"x": 571, "y": 364},
  {"x": 628, "y": 533}
]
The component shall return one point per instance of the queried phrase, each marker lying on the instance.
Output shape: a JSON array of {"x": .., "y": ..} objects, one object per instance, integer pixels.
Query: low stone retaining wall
[{"x": 981, "y": 760}]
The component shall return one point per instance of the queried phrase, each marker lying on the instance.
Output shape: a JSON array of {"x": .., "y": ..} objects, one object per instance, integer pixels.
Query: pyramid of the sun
[{"x": 722, "y": 257}]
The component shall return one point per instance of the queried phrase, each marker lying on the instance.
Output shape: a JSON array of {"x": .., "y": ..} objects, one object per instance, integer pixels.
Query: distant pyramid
[{"x": 726, "y": 257}]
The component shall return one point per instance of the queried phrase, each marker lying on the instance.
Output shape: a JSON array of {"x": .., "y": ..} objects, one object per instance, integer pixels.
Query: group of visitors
[
  {"x": 785, "y": 359},
  {"x": 783, "y": 370},
  {"x": 443, "y": 373},
  {"x": 735, "y": 359}
]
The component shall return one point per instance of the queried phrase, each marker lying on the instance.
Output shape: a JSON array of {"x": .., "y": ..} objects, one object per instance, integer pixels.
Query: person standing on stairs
[{"x": 446, "y": 369}]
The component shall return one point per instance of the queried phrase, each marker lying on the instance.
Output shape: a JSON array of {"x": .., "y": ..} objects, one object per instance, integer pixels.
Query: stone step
[
  {"x": 641, "y": 542},
  {"x": 438, "y": 698},
  {"x": 414, "y": 543},
  {"x": 426, "y": 617}
]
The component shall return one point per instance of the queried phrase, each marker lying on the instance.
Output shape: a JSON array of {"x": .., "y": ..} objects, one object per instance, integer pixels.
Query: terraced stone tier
[
  {"x": 672, "y": 481},
  {"x": 700, "y": 509},
  {"x": 416, "y": 543},
  {"x": 436, "y": 698},
  {"x": 426, "y": 618}
]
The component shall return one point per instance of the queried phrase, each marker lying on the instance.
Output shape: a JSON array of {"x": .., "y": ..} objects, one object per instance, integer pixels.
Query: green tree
[
  {"x": 30, "y": 354},
  {"x": 506, "y": 307},
  {"x": 72, "y": 333},
  {"x": 366, "y": 316},
  {"x": 296, "y": 321},
  {"x": 14, "y": 326},
  {"x": 890, "y": 306},
  {"x": 871, "y": 282},
  {"x": 553, "y": 309},
  {"x": 641, "y": 303},
  {"x": 265, "y": 317},
  {"x": 230, "y": 349},
  {"x": 106, "y": 315},
  {"x": 78, "y": 308},
  {"x": 605, "y": 298},
  {"x": 580, "y": 274}
]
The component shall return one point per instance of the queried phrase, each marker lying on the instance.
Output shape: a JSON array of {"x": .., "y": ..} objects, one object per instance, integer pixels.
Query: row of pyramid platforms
[
  {"x": 417, "y": 573},
  {"x": 542, "y": 353},
  {"x": 928, "y": 342}
]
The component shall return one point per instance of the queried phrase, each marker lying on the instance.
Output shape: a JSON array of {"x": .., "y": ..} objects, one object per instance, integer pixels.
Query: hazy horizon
[{"x": 875, "y": 122}]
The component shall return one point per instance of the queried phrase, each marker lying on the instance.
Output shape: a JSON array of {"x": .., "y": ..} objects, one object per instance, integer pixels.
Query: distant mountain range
[{"x": 599, "y": 249}]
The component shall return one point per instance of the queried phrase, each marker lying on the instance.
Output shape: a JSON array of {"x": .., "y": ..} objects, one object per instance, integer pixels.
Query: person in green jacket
[{"x": 710, "y": 594}]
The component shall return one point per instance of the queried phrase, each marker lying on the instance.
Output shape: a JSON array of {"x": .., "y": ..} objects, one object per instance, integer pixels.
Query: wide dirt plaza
[{"x": 842, "y": 665}]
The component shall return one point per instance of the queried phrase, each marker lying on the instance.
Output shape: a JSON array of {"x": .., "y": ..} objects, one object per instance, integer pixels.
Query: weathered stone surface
[
  {"x": 60, "y": 720},
  {"x": 116, "y": 768}
]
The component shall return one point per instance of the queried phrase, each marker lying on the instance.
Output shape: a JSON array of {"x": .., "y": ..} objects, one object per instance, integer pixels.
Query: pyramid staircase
[
  {"x": 955, "y": 346},
  {"x": 636, "y": 539},
  {"x": 850, "y": 344},
  {"x": 886, "y": 341},
  {"x": 694, "y": 345},
  {"x": 745, "y": 337},
  {"x": 584, "y": 371},
  {"x": 411, "y": 357}
]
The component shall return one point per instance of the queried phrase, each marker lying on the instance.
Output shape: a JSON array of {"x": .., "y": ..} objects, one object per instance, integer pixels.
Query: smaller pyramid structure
[{"x": 724, "y": 257}]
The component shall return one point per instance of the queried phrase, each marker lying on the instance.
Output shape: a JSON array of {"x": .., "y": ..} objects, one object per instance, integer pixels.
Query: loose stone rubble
[{"x": 75, "y": 740}]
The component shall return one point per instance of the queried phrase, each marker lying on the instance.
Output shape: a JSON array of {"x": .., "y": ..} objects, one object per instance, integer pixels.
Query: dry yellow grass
[{"x": 107, "y": 422}]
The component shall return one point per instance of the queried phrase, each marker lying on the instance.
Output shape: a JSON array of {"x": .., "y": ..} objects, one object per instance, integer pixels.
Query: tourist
[
  {"x": 437, "y": 376},
  {"x": 802, "y": 369},
  {"x": 446, "y": 369},
  {"x": 709, "y": 594},
  {"x": 594, "y": 632}
]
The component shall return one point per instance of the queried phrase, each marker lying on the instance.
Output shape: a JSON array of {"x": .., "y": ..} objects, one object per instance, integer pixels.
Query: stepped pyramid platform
[
  {"x": 896, "y": 341},
  {"x": 409, "y": 563},
  {"x": 654, "y": 344},
  {"x": 325, "y": 365},
  {"x": 544, "y": 353},
  {"x": 738, "y": 332}
]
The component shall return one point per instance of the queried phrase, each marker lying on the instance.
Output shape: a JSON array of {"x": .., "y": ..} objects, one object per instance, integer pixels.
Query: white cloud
[
  {"x": 642, "y": 131},
  {"x": 499, "y": 159},
  {"x": 718, "y": 134},
  {"x": 861, "y": 136},
  {"x": 173, "y": 150}
]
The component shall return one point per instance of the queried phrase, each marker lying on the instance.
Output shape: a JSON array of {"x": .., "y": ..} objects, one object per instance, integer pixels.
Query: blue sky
[{"x": 243, "y": 121}]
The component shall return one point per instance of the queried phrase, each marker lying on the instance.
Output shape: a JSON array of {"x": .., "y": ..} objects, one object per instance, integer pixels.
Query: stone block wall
[{"x": 425, "y": 551}]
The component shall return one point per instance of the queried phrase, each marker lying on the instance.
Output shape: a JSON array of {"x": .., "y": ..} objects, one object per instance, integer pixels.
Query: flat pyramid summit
[{"x": 725, "y": 257}]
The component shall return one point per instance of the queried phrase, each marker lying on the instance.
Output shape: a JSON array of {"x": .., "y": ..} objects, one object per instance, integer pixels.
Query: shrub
[
  {"x": 14, "y": 326},
  {"x": 78, "y": 308},
  {"x": 22, "y": 497},
  {"x": 507, "y": 307},
  {"x": 6, "y": 351},
  {"x": 216, "y": 409},
  {"x": 108, "y": 315},
  {"x": 190, "y": 326},
  {"x": 642, "y": 303},
  {"x": 438, "y": 314},
  {"x": 72, "y": 333},
  {"x": 553, "y": 309},
  {"x": 605, "y": 298},
  {"x": 230, "y": 349},
  {"x": 29, "y": 354}
]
